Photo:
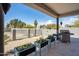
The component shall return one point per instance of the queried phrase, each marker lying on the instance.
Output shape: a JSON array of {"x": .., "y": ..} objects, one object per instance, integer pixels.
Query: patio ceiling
[{"x": 56, "y": 9}]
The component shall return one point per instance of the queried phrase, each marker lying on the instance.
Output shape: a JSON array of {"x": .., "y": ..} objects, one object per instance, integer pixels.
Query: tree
[
  {"x": 15, "y": 23},
  {"x": 76, "y": 24},
  {"x": 42, "y": 26},
  {"x": 29, "y": 26},
  {"x": 51, "y": 26},
  {"x": 7, "y": 26},
  {"x": 35, "y": 23}
]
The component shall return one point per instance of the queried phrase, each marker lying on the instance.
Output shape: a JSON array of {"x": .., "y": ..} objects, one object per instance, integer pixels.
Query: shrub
[
  {"x": 41, "y": 40},
  {"x": 49, "y": 37},
  {"x": 20, "y": 48}
]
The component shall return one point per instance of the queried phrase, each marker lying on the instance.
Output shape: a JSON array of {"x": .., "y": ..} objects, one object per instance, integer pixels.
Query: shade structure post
[
  {"x": 1, "y": 31},
  {"x": 29, "y": 33},
  {"x": 57, "y": 28},
  {"x": 13, "y": 34}
]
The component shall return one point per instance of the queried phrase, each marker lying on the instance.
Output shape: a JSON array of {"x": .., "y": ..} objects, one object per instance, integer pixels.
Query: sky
[{"x": 28, "y": 15}]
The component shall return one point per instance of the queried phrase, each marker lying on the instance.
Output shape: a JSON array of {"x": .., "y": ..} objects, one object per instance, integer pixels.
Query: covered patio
[{"x": 57, "y": 10}]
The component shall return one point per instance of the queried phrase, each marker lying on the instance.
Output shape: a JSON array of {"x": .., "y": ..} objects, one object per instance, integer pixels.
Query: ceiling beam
[
  {"x": 70, "y": 13},
  {"x": 44, "y": 8}
]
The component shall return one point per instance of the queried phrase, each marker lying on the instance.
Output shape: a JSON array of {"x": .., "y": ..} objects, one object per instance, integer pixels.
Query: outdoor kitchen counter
[{"x": 63, "y": 37}]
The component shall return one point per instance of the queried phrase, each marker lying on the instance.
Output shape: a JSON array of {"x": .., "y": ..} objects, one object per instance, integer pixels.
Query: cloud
[
  {"x": 65, "y": 21},
  {"x": 49, "y": 22},
  {"x": 69, "y": 21}
]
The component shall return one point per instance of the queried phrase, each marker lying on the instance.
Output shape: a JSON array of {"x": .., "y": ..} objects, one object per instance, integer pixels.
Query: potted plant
[
  {"x": 40, "y": 44},
  {"x": 24, "y": 49},
  {"x": 50, "y": 39}
]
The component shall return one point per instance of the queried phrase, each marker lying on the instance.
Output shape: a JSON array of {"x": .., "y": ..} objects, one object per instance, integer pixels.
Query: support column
[
  {"x": 57, "y": 28},
  {"x": 1, "y": 31},
  {"x": 29, "y": 33},
  {"x": 13, "y": 34}
]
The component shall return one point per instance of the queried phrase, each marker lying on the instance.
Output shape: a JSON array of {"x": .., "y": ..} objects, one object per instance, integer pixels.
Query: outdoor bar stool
[
  {"x": 55, "y": 36},
  {"x": 59, "y": 38},
  {"x": 51, "y": 39}
]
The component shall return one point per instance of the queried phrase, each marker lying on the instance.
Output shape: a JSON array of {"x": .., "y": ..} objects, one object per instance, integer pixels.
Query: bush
[
  {"x": 41, "y": 40},
  {"x": 49, "y": 37},
  {"x": 29, "y": 26},
  {"x": 20, "y": 48}
]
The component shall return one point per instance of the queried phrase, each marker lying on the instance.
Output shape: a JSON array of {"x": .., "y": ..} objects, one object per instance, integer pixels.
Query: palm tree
[{"x": 35, "y": 24}]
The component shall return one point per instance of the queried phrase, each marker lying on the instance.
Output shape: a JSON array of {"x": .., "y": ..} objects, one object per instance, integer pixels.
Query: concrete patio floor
[{"x": 62, "y": 49}]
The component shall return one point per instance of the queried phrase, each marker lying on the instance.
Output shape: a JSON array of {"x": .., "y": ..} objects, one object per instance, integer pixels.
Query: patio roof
[{"x": 56, "y": 9}]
